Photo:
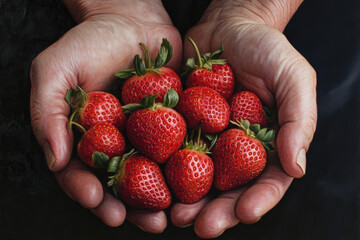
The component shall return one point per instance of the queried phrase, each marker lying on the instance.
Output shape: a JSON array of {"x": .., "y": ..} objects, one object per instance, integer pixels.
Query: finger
[
  {"x": 148, "y": 221},
  {"x": 266, "y": 192},
  {"x": 218, "y": 215},
  {"x": 49, "y": 112},
  {"x": 297, "y": 114},
  {"x": 80, "y": 184},
  {"x": 287, "y": 74},
  {"x": 111, "y": 211},
  {"x": 184, "y": 215}
]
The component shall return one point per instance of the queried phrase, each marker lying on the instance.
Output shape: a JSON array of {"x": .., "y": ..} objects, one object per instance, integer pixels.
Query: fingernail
[
  {"x": 301, "y": 160},
  {"x": 141, "y": 228},
  {"x": 50, "y": 159},
  {"x": 185, "y": 226},
  {"x": 219, "y": 234}
]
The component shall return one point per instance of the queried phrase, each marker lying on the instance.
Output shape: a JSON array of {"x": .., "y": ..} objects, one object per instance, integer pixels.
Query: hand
[
  {"x": 265, "y": 63},
  {"x": 104, "y": 42}
]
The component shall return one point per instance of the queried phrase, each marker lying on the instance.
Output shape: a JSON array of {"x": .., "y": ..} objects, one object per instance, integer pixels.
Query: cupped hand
[
  {"x": 266, "y": 63},
  {"x": 104, "y": 42}
]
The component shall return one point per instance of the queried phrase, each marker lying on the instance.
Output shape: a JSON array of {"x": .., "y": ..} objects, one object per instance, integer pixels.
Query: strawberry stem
[
  {"x": 140, "y": 68},
  {"x": 197, "y": 52},
  {"x": 195, "y": 144},
  {"x": 72, "y": 122},
  {"x": 78, "y": 125},
  {"x": 199, "y": 134},
  {"x": 191, "y": 134}
]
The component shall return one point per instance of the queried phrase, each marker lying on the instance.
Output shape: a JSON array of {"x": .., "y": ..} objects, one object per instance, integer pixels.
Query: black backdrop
[{"x": 325, "y": 204}]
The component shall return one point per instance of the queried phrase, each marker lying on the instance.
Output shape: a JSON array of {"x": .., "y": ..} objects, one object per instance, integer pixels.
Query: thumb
[
  {"x": 272, "y": 66},
  {"x": 49, "y": 112},
  {"x": 297, "y": 111}
]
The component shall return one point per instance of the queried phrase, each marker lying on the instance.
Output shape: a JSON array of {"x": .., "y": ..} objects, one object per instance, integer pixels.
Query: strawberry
[
  {"x": 211, "y": 72},
  {"x": 239, "y": 155},
  {"x": 95, "y": 107},
  {"x": 246, "y": 105},
  {"x": 205, "y": 106},
  {"x": 139, "y": 182},
  {"x": 149, "y": 79},
  {"x": 103, "y": 137},
  {"x": 190, "y": 172},
  {"x": 156, "y": 129}
]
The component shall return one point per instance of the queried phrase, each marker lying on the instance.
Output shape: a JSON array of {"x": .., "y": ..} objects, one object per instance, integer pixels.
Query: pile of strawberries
[{"x": 178, "y": 142}]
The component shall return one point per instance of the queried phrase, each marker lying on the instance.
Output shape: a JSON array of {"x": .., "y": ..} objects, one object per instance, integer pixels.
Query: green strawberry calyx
[
  {"x": 171, "y": 99},
  {"x": 142, "y": 67},
  {"x": 100, "y": 159},
  {"x": 198, "y": 145},
  {"x": 264, "y": 135},
  {"x": 76, "y": 98},
  {"x": 116, "y": 165},
  {"x": 204, "y": 61}
]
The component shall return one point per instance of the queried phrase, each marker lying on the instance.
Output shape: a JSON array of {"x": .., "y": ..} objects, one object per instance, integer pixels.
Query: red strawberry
[
  {"x": 139, "y": 183},
  {"x": 190, "y": 172},
  {"x": 205, "y": 106},
  {"x": 95, "y": 107},
  {"x": 210, "y": 72},
  {"x": 102, "y": 137},
  {"x": 151, "y": 79},
  {"x": 246, "y": 105},
  {"x": 156, "y": 130},
  {"x": 239, "y": 155}
]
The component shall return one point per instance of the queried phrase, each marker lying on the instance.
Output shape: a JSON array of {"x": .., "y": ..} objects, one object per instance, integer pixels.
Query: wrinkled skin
[
  {"x": 103, "y": 43},
  {"x": 89, "y": 55},
  {"x": 265, "y": 63}
]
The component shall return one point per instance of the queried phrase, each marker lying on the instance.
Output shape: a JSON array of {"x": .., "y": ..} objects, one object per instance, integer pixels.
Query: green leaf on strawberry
[
  {"x": 164, "y": 55},
  {"x": 171, "y": 99},
  {"x": 197, "y": 144},
  {"x": 76, "y": 98},
  {"x": 142, "y": 67},
  {"x": 148, "y": 101},
  {"x": 255, "y": 128},
  {"x": 264, "y": 135},
  {"x": 203, "y": 61},
  {"x": 139, "y": 66},
  {"x": 100, "y": 159}
]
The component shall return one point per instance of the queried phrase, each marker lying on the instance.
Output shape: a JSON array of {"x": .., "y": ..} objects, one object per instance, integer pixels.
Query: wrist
[
  {"x": 275, "y": 13},
  {"x": 85, "y": 9}
]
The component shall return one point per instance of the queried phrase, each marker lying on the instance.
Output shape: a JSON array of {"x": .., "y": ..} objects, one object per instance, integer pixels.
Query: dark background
[{"x": 325, "y": 204}]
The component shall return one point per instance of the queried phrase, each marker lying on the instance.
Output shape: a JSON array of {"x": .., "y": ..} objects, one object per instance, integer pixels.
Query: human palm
[
  {"x": 264, "y": 62},
  {"x": 88, "y": 56},
  {"x": 103, "y": 43}
]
